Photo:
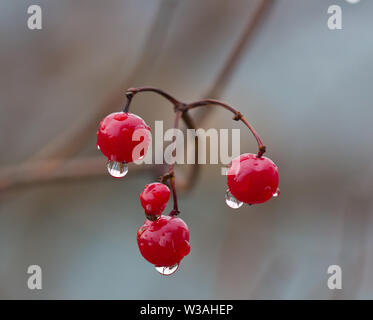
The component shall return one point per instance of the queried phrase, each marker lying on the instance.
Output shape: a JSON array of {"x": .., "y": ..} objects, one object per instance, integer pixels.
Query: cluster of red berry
[{"x": 164, "y": 240}]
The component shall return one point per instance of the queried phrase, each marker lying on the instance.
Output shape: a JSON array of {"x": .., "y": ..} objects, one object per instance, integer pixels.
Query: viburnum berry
[
  {"x": 154, "y": 199},
  {"x": 164, "y": 242},
  {"x": 116, "y": 140},
  {"x": 251, "y": 179}
]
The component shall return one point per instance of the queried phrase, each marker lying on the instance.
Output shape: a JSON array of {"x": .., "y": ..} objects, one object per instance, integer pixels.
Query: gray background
[{"x": 305, "y": 88}]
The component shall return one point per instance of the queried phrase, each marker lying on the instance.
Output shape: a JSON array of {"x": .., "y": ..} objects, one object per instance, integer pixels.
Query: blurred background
[{"x": 306, "y": 89}]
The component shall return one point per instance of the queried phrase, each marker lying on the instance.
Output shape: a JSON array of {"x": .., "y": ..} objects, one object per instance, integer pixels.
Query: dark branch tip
[
  {"x": 180, "y": 107},
  {"x": 238, "y": 116},
  {"x": 174, "y": 212},
  {"x": 166, "y": 177},
  {"x": 152, "y": 217},
  {"x": 262, "y": 150}
]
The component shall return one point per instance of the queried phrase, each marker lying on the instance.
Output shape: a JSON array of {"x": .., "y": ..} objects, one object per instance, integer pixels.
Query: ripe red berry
[
  {"x": 154, "y": 199},
  {"x": 115, "y": 137},
  {"x": 252, "y": 179},
  {"x": 164, "y": 242}
]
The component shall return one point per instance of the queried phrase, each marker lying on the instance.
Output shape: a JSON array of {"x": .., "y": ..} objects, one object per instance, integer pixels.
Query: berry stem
[
  {"x": 175, "y": 211},
  {"x": 181, "y": 111},
  {"x": 237, "y": 116},
  {"x": 171, "y": 170},
  {"x": 133, "y": 91},
  {"x": 129, "y": 96}
]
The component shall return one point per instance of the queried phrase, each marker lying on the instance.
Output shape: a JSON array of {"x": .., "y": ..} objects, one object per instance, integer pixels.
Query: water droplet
[
  {"x": 231, "y": 201},
  {"x": 98, "y": 147},
  {"x": 277, "y": 193},
  {"x": 117, "y": 169},
  {"x": 167, "y": 271}
]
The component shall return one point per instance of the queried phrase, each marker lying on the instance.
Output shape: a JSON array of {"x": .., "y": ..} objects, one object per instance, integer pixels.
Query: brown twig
[
  {"x": 237, "y": 117},
  {"x": 133, "y": 91},
  {"x": 178, "y": 105},
  {"x": 45, "y": 171},
  {"x": 181, "y": 108},
  {"x": 171, "y": 170}
]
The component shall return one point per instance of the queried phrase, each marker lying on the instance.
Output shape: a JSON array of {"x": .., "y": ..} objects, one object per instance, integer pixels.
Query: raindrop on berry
[
  {"x": 231, "y": 201},
  {"x": 277, "y": 193},
  {"x": 117, "y": 169},
  {"x": 167, "y": 271}
]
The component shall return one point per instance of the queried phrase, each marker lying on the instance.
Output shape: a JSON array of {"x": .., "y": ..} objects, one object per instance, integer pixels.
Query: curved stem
[
  {"x": 175, "y": 211},
  {"x": 132, "y": 91},
  {"x": 237, "y": 116},
  {"x": 181, "y": 111},
  {"x": 171, "y": 171}
]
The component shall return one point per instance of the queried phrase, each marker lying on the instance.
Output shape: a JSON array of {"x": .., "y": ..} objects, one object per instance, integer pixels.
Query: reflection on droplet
[
  {"x": 277, "y": 193},
  {"x": 98, "y": 147},
  {"x": 167, "y": 271},
  {"x": 353, "y": 1},
  {"x": 231, "y": 201},
  {"x": 117, "y": 169}
]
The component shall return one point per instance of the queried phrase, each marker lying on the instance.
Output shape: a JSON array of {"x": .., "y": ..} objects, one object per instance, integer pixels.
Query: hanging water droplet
[
  {"x": 277, "y": 193},
  {"x": 167, "y": 271},
  {"x": 231, "y": 201},
  {"x": 117, "y": 169}
]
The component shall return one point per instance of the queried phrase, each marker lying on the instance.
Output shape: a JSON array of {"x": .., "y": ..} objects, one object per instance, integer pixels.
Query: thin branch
[
  {"x": 194, "y": 172},
  {"x": 42, "y": 171},
  {"x": 171, "y": 170},
  {"x": 237, "y": 116},
  {"x": 178, "y": 108},
  {"x": 181, "y": 108},
  {"x": 132, "y": 91}
]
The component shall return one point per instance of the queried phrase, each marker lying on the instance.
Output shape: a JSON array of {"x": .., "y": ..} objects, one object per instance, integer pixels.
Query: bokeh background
[{"x": 305, "y": 88}]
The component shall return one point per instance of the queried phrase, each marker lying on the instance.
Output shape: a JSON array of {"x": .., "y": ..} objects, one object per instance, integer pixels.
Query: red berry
[
  {"x": 114, "y": 136},
  {"x": 154, "y": 199},
  {"x": 252, "y": 179},
  {"x": 164, "y": 242}
]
